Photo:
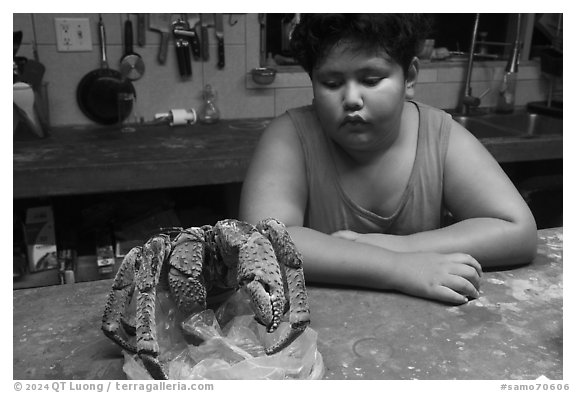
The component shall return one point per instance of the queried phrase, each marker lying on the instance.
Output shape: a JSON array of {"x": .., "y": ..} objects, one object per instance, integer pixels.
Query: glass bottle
[
  {"x": 209, "y": 113},
  {"x": 507, "y": 93}
]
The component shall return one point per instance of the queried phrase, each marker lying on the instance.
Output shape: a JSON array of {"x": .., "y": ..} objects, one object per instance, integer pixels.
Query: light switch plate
[{"x": 73, "y": 34}]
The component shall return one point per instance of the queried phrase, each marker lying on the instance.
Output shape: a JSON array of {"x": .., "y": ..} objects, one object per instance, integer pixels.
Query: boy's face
[{"x": 359, "y": 96}]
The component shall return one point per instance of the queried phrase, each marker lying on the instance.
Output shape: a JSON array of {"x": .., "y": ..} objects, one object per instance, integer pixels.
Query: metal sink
[
  {"x": 527, "y": 123},
  {"x": 481, "y": 129},
  {"x": 517, "y": 124}
]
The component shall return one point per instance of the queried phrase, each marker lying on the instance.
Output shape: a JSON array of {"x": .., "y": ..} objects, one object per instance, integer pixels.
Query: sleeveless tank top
[{"x": 421, "y": 206}]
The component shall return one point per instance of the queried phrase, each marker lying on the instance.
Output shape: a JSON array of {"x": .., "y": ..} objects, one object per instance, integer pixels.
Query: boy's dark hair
[{"x": 400, "y": 35}]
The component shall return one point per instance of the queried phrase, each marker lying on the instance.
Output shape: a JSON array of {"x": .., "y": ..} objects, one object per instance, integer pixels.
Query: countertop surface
[
  {"x": 513, "y": 331},
  {"x": 86, "y": 160}
]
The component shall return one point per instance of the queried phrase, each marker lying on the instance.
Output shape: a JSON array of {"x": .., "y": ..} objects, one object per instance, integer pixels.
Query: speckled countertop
[{"x": 513, "y": 331}]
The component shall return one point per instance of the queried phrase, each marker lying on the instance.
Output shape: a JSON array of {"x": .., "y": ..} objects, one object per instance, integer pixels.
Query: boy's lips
[{"x": 354, "y": 120}]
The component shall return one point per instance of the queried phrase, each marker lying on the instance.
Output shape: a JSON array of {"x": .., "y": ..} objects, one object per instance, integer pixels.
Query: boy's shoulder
[
  {"x": 431, "y": 110},
  {"x": 302, "y": 116},
  {"x": 301, "y": 110},
  {"x": 291, "y": 120},
  {"x": 432, "y": 115}
]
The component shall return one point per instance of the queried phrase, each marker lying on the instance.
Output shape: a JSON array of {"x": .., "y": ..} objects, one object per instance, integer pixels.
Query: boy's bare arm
[
  {"x": 450, "y": 278},
  {"x": 493, "y": 242}
]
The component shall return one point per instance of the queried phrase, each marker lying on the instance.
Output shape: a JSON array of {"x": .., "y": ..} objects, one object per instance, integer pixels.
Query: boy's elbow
[{"x": 527, "y": 241}]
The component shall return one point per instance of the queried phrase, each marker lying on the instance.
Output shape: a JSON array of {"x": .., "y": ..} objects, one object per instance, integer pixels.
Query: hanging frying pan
[
  {"x": 97, "y": 92},
  {"x": 131, "y": 64}
]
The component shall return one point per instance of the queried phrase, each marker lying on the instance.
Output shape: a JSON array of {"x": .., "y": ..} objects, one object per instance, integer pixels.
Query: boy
[{"x": 363, "y": 176}]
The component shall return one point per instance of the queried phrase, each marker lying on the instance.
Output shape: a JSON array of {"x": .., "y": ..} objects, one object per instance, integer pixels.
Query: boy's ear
[{"x": 411, "y": 78}]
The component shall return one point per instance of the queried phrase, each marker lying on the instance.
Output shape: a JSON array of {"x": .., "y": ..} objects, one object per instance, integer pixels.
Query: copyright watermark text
[
  {"x": 110, "y": 386},
  {"x": 535, "y": 386}
]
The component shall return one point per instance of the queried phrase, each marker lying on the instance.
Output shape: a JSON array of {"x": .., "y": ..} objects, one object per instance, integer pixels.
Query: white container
[{"x": 40, "y": 239}]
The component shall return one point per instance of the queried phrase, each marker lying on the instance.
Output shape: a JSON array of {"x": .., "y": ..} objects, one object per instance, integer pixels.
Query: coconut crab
[{"x": 260, "y": 259}]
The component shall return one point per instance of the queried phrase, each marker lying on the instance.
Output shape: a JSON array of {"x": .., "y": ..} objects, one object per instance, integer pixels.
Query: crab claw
[
  {"x": 259, "y": 274},
  {"x": 268, "y": 309},
  {"x": 290, "y": 261}
]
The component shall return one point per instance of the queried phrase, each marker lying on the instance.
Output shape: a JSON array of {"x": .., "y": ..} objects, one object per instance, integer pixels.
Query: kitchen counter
[
  {"x": 513, "y": 331},
  {"x": 88, "y": 160},
  {"x": 84, "y": 160}
]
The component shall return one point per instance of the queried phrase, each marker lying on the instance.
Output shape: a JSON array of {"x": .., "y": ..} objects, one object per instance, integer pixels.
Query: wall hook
[{"x": 230, "y": 21}]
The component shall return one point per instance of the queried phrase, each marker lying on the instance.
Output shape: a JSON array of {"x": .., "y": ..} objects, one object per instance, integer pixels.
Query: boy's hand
[{"x": 451, "y": 278}]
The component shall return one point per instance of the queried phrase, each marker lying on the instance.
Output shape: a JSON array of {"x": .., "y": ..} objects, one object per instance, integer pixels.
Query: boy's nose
[{"x": 352, "y": 97}]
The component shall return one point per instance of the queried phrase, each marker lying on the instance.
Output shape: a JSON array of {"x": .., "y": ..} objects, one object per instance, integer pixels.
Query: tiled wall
[{"x": 161, "y": 88}]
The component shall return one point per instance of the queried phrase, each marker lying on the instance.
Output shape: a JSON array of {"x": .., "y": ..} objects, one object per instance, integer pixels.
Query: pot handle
[{"x": 102, "y": 37}]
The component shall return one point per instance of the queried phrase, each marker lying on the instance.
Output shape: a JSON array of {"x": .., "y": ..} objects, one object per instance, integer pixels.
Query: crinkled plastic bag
[{"x": 226, "y": 344}]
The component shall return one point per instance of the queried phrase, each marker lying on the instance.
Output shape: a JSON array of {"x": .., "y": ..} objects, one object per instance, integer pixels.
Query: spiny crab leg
[
  {"x": 185, "y": 278},
  {"x": 260, "y": 273},
  {"x": 147, "y": 277},
  {"x": 248, "y": 253},
  {"x": 290, "y": 261},
  {"x": 119, "y": 297}
]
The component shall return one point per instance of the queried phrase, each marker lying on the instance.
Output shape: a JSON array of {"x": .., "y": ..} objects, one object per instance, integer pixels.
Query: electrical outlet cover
[{"x": 73, "y": 34}]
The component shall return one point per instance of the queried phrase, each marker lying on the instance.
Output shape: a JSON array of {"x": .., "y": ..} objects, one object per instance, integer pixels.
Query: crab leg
[
  {"x": 291, "y": 262},
  {"x": 185, "y": 278},
  {"x": 258, "y": 272},
  {"x": 119, "y": 298},
  {"x": 147, "y": 276}
]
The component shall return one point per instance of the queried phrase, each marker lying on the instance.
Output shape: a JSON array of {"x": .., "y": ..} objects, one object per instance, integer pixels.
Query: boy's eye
[
  {"x": 331, "y": 83},
  {"x": 373, "y": 81}
]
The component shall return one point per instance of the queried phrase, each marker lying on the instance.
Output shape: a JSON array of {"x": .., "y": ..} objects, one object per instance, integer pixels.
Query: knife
[
  {"x": 194, "y": 41},
  {"x": 204, "y": 37},
  {"x": 219, "y": 29}
]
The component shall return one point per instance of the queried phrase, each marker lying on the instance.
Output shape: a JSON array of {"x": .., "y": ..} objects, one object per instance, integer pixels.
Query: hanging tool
[
  {"x": 182, "y": 47},
  {"x": 193, "y": 21},
  {"x": 219, "y": 30},
  {"x": 205, "y": 53},
  {"x": 97, "y": 92},
  {"x": 263, "y": 43},
  {"x": 131, "y": 65},
  {"x": 141, "y": 29},
  {"x": 191, "y": 34},
  {"x": 161, "y": 23}
]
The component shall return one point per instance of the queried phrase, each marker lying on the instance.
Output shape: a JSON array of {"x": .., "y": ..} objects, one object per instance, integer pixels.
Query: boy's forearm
[
  {"x": 331, "y": 260},
  {"x": 452, "y": 278},
  {"x": 493, "y": 242}
]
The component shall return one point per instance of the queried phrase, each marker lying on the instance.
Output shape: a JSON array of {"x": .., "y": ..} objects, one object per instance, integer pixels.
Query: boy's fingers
[
  {"x": 468, "y": 272},
  {"x": 470, "y": 261},
  {"x": 448, "y": 295},
  {"x": 461, "y": 285}
]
